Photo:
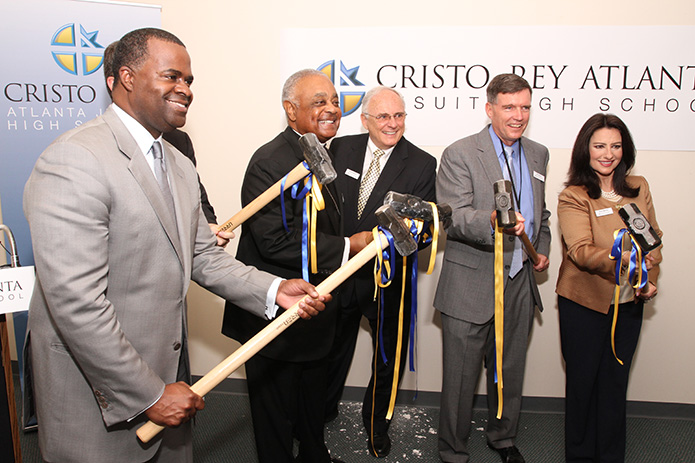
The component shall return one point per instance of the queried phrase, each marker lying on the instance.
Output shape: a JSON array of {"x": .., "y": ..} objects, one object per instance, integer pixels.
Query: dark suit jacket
[
  {"x": 408, "y": 170},
  {"x": 468, "y": 170},
  {"x": 265, "y": 244},
  {"x": 183, "y": 143}
]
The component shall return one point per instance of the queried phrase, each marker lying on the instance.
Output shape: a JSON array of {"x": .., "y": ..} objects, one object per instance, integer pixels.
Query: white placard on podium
[{"x": 16, "y": 286}]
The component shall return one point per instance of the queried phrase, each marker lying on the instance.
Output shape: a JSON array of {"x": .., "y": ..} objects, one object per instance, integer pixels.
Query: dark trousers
[
  {"x": 287, "y": 400},
  {"x": 596, "y": 389},
  {"x": 378, "y": 394}
]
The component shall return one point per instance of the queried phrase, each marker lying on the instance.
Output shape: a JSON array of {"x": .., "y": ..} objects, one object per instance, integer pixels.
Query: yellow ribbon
[
  {"x": 499, "y": 314},
  {"x": 616, "y": 297},
  {"x": 380, "y": 264},
  {"x": 435, "y": 237},
  {"x": 434, "y": 230},
  {"x": 379, "y": 267},
  {"x": 399, "y": 343},
  {"x": 318, "y": 204}
]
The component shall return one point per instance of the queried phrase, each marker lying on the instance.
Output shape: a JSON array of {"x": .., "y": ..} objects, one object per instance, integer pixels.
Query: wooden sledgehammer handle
[
  {"x": 529, "y": 248},
  {"x": 264, "y": 198},
  {"x": 267, "y": 334}
]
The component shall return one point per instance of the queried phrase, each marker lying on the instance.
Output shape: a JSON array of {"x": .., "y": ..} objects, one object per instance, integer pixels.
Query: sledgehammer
[
  {"x": 404, "y": 244},
  {"x": 320, "y": 165},
  {"x": 506, "y": 218},
  {"x": 413, "y": 207}
]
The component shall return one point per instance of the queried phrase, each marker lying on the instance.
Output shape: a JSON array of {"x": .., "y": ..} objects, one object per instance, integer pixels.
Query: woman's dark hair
[{"x": 582, "y": 174}]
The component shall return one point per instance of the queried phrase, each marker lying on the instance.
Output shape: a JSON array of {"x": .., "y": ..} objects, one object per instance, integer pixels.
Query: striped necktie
[{"x": 368, "y": 181}]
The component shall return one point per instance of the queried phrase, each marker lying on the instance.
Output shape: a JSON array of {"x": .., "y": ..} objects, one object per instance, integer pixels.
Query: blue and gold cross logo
[
  {"x": 350, "y": 100},
  {"x": 85, "y": 58}
]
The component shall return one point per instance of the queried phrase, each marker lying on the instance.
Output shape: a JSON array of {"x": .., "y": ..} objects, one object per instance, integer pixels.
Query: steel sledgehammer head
[
  {"x": 414, "y": 207},
  {"x": 403, "y": 241},
  {"x": 504, "y": 204},
  {"x": 317, "y": 157}
]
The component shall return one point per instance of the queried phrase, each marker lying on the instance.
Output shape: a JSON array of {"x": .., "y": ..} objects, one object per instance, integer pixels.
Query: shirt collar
[
  {"x": 142, "y": 137},
  {"x": 373, "y": 147},
  {"x": 497, "y": 143}
]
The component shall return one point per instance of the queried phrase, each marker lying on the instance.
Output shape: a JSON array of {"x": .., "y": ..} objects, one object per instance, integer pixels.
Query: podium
[{"x": 10, "y": 450}]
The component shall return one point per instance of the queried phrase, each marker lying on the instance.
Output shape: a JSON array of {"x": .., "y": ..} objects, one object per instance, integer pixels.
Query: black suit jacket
[
  {"x": 183, "y": 143},
  {"x": 265, "y": 244},
  {"x": 408, "y": 170}
]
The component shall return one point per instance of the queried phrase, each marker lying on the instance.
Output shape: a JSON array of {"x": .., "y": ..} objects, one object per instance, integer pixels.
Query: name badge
[
  {"x": 602, "y": 212},
  {"x": 352, "y": 173},
  {"x": 539, "y": 176}
]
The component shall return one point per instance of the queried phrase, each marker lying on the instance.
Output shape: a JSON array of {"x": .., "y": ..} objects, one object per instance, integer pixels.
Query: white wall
[{"x": 235, "y": 47}]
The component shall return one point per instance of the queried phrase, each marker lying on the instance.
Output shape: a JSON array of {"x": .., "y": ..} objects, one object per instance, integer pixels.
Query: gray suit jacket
[
  {"x": 107, "y": 322},
  {"x": 467, "y": 172}
]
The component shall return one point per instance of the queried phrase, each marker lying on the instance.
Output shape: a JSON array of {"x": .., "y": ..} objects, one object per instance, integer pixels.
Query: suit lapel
[
  {"x": 488, "y": 158},
  {"x": 178, "y": 190},
  {"x": 329, "y": 192},
  {"x": 143, "y": 175},
  {"x": 393, "y": 168},
  {"x": 534, "y": 165},
  {"x": 355, "y": 160}
]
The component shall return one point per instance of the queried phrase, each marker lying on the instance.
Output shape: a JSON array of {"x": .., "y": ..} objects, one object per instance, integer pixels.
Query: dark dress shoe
[
  {"x": 381, "y": 446},
  {"x": 509, "y": 454}
]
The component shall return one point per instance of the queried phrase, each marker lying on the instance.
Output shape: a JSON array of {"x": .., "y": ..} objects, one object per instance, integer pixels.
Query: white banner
[
  {"x": 16, "y": 286},
  {"x": 643, "y": 74}
]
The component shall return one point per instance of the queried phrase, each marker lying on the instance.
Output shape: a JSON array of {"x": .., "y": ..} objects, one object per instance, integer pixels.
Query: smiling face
[
  {"x": 316, "y": 108},
  {"x": 510, "y": 115},
  {"x": 605, "y": 153},
  {"x": 387, "y": 132},
  {"x": 160, "y": 92}
]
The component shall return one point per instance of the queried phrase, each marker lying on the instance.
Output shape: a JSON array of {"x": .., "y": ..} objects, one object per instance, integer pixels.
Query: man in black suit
[
  {"x": 181, "y": 142},
  {"x": 403, "y": 168},
  {"x": 287, "y": 379}
]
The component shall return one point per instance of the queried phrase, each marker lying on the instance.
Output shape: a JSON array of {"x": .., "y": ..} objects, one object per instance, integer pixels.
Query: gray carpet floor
[{"x": 223, "y": 434}]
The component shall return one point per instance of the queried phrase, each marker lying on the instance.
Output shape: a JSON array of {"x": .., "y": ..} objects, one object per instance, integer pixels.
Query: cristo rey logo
[
  {"x": 83, "y": 59},
  {"x": 350, "y": 100}
]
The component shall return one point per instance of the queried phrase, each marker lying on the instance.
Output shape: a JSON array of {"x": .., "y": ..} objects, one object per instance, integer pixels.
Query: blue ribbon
[
  {"x": 635, "y": 255},
  {"x": 425, "y": 238},
  {"x": 388, "y": 254},
  {"x": 299, "y": 194}
]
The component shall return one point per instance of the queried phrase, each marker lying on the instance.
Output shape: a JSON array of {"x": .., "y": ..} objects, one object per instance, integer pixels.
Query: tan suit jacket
[
  {"x": 587, "y": 274},
  {"x": 107, "y": 322}
]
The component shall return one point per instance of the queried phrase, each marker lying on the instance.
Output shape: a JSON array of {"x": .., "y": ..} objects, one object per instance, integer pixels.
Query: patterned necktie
[
  {"x": 518, "y": 257},
  {"x": 368, "y": 181},
  {"x": 161, "y": 174}
]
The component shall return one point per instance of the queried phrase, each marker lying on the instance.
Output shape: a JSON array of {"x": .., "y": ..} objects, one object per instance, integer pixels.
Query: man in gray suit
[
  {"x": 465, "y": 294},
  {"x": 118, "y": 233}
]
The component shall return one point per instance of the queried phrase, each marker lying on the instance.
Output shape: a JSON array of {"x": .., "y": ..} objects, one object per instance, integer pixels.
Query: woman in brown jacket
[{"x": 598, "y": 185}]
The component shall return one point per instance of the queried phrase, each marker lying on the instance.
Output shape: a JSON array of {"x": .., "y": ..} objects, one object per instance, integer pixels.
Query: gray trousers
[
  {"x": 465, "y": 346},
  {"x": 177, "y": 445}
]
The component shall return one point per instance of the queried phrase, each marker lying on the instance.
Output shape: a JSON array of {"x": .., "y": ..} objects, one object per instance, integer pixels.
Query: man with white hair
[{"x": 384, "y": 161}]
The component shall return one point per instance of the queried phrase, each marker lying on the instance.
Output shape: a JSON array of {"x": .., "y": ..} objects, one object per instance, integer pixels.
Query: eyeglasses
[{"x": 398, "y": 117}]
